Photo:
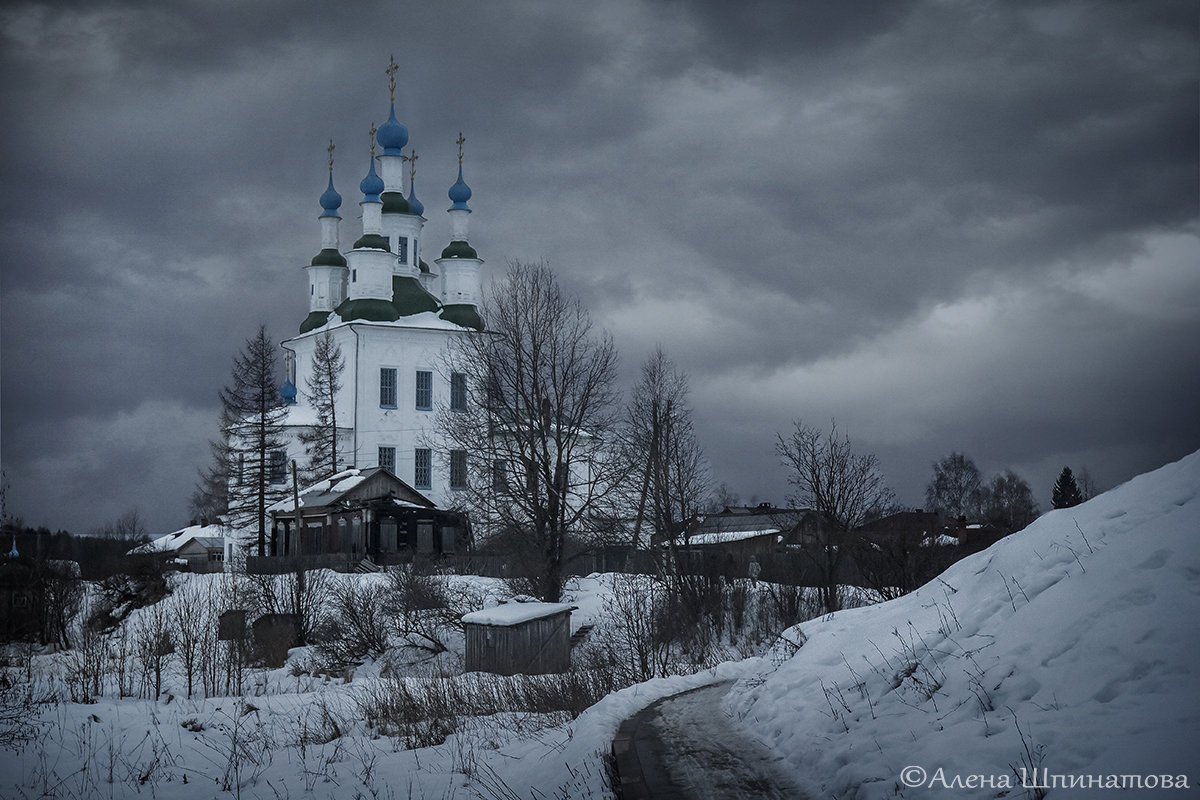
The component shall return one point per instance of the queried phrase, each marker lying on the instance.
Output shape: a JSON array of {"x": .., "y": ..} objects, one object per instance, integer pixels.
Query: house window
[
  {"x": 424, "y": 390},
  {"x": 424, "y": 537},
  {"x": 402, "y": 249},
  {"x": 387, "y": 387},
  {"x": 449, "y": 535},
  {"x": 500, "y": 476},
  {"x": 241, "y": 469},
  {"x": 458, "y": 391},
  {"x": 423, "y": 468},
  {"x": 388, "y": 541},
  {"x": 277, "y": 469},
  {"x": 458, "y": 469},
  {"x": 387, "y": 459}
]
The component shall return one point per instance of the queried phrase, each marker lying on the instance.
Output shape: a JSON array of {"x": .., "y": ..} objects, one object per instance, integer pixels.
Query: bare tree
[
  {"x": 536, "y": 432},
  {"x": 662, "y": 441},
  {"x": 251, "y": 416},
  {"x": 1008, "y": 502},
  {"x": 955, "y": 488},
  {"x": 847, "y": 488},
  {"x": 323, "y": 383}
]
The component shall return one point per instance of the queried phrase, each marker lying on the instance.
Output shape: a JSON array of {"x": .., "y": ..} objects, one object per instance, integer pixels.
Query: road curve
[{"x": 684, "y": 747}]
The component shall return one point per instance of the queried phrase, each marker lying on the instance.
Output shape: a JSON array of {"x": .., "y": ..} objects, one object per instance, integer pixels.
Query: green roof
[
  {"x": 422, "y": 265},
  {"x": 409, "y": 297},
  {"x": 315, "y": 319},
  {"x": 374, "y": 241},
  {"x": 459, "y": 249},
  {"x": 394, "y": 203},
  {"x": 462, "y": 314},
  {"x": 329, "y": 257},
  {"x": 370, "y": 309}
]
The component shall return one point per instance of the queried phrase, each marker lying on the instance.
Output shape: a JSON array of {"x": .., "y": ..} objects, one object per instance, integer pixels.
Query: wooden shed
[{"x": 515, "y": 638}]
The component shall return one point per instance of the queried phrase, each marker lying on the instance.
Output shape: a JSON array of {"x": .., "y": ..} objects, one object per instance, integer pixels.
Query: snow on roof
[
  {"x": 319, "y": 493},
  {"x": 722, "y": 537},
  {"x": 516, "y": 613},
  {"x": 173, "y": 541}
]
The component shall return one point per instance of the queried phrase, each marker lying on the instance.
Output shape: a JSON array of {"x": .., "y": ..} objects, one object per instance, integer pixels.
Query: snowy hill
[{"x": 1071, "y": 647}]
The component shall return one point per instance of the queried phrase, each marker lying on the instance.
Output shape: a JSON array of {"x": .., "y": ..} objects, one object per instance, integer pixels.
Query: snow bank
[{"x": 1070, "y": 647}]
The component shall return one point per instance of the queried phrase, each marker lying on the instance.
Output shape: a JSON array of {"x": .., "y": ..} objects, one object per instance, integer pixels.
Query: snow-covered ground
[{"x": 1070, "y": 647}]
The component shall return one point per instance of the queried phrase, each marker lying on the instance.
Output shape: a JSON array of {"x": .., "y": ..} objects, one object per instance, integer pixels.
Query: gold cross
[
  {"x": 412, "y": 168},
  {"x": 373, "y": 130},
  {"x": 460, "y": 144},
  {"x": 391, "y": 71},
  {"x": 330, "y": 149}
]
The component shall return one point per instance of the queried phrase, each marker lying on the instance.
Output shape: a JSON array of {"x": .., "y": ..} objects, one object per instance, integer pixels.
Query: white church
[{"x": 393, "y": 316}]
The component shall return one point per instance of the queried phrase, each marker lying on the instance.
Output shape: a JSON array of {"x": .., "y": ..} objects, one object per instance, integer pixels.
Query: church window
[
  {"x": 424, "y": 390},
  {"x": 278, "y": 466},
  {"x": 387, "y": 387},
  {"x": 402, "y": 249},
  {"x": 458, "y": 469},
  {"x": 458, "y": 391},
  {"x": 353, "y": 276},
  {"x": 423, "y": 468},
  {"x": 387, "y": 459}
]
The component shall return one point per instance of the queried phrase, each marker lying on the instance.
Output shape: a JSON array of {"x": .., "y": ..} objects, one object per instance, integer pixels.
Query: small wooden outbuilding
[{"x": 516, "y": 638}]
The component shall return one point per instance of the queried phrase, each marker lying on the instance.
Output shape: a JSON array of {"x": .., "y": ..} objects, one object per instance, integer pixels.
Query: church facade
[{"x": 393, "y": 315}]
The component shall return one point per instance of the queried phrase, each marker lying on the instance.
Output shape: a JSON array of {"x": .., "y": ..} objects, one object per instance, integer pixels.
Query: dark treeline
[{"x": 98, "y": 556}]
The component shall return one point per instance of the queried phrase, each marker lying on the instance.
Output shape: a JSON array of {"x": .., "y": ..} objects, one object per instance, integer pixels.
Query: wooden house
[
  {"x": 519, "y": 638},
  {"x": 357, "y": 515}
]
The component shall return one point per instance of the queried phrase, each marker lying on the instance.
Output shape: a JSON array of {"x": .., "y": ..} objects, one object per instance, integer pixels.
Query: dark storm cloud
[{"x": 806, "y": 198}]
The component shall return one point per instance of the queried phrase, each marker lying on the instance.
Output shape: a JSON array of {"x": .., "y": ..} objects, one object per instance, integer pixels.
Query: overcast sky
[{"x": 965, "y": 226}]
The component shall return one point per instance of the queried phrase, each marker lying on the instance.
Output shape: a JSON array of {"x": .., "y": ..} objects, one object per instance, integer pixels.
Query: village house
[{"x": 359, "y": 518}]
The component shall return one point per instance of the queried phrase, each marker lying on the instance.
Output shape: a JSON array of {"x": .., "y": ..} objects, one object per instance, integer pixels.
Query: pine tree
[
  {"x": 323, "y": 383},
  {"x": 251, "y": 415},
  {"x": 1066, "y": 491}
]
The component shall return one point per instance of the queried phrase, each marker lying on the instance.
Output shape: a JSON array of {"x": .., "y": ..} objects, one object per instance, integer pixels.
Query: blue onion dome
[
  {"x": 392, "y": 136},
  {"x": 416, "y": 205},
  {"x": 371, "y": 185},
  {"x": 288, "y": 392},
  {"x": 460, "y": 193},
  {"x": 331, "y": 201}
]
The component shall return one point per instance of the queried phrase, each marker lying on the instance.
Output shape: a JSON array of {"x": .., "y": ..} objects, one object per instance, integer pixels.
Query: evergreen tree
[
  {"x": 1066, "y": 491},
  {"x": 251, "y": 424},
  {"x": 210, "y": 497},
  {"x": 323, "y": 383}
]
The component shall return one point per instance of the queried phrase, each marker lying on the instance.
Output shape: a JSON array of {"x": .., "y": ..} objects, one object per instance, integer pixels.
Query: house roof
[
  {"x": 754, "y": 520},
  {"x": 354, "y": 484},
  {"x": 173, "y": 541},
  {"x": 508, "y": 614}
]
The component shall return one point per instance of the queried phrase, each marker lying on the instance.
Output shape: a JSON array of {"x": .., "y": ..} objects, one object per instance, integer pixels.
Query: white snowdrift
[{"x": 1081, "y": 631}]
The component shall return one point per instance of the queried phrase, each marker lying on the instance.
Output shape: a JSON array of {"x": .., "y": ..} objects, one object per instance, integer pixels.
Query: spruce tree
[
  {"x": 323, "y": 383},
  {"x": 1066, "y": 491},
  {"x": 251, "y": 425}
]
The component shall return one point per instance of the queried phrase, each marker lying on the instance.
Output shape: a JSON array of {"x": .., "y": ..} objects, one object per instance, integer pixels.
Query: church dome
[
  {"x": 416, "y": 205},
  {"x": 459, "y": 193},
  {"x": 331, "y": 201},
  {"x": 288, "y": 392},
  {"x": 371, "y": 185},
  {"x": 392, "y": 136}
]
